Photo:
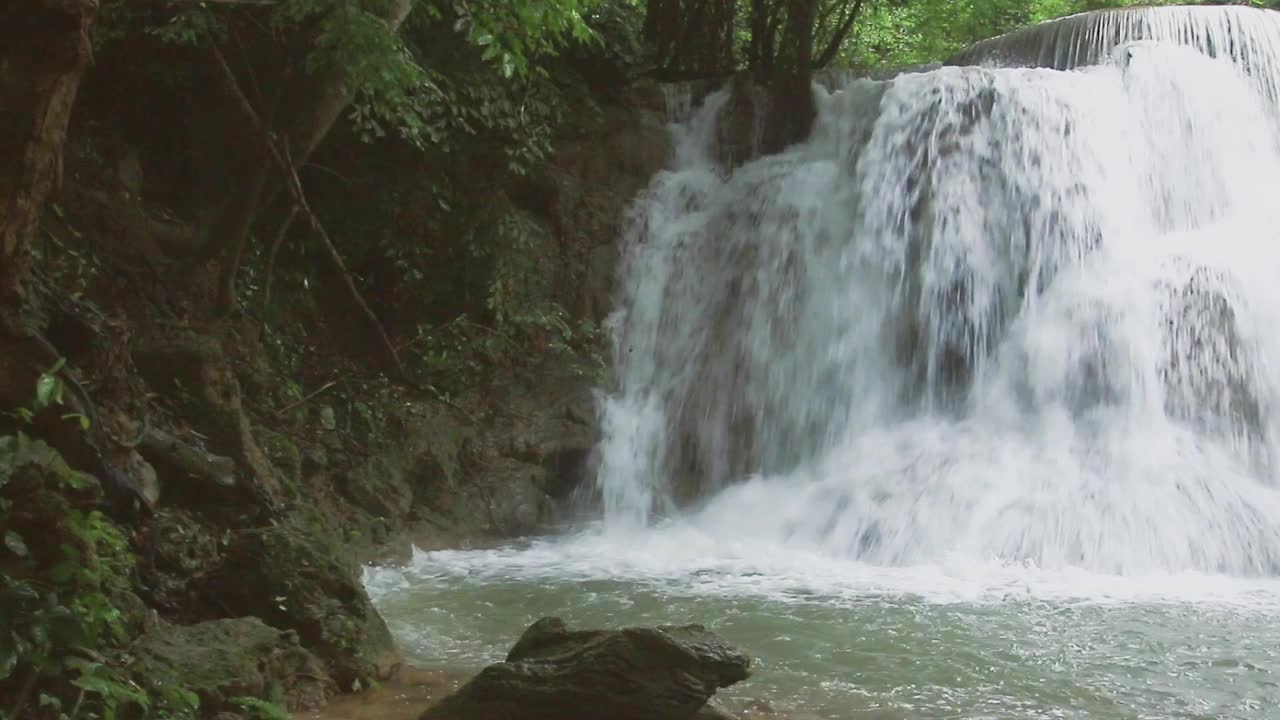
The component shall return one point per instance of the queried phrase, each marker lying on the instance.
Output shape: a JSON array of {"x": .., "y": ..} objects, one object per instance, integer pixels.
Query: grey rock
[
  {"x": 224, "y": 659},
  {"x": 554, "y": 673},
  {"x": 297, "y": 578}
]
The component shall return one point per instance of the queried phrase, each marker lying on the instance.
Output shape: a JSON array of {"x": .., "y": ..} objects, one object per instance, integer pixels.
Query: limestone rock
[
  {"x": 379, "y": 486},
  {"x": 224, "y": 659},
  {"x": 295, "y": 578},
  {"x": 554, "y": 673}
]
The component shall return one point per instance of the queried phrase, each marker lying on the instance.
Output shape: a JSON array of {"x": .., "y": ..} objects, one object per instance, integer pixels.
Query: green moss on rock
[
  {"x": 296, "y": 578},
  {"x": 224, "y": 659}
]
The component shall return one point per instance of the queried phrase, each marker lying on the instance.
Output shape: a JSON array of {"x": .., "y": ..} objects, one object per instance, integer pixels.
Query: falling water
[{"x": 1015, "y": 313}]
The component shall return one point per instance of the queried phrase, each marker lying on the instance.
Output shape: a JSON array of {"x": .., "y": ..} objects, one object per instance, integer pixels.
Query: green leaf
[
  {"x": 13, "y": 541},
  {"x": 65, "y": 629},
  {"x": 46, "y": 389},
  {"x": 8, "y": 655},
  {"x": 19, "y": 593},
  {"x": 77, "y": 480}
]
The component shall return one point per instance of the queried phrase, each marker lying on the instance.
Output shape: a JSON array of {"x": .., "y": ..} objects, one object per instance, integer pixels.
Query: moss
[
  {"x": 282, "y": 452},
  {"x": 295, "y": 577},
  {"x": 224, "y": 659}
]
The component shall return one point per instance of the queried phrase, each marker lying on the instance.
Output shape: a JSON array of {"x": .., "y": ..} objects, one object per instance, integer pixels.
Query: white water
[
  {"x": 1250, "y": 37},
  {"x": 989, "y": 314}
]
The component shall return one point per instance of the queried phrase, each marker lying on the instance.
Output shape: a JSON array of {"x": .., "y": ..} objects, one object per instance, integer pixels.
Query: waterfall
[{"x": 1017, "y": 313}]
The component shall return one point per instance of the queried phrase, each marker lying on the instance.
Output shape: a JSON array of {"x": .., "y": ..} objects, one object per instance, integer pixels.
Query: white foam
[{"x": 688, "y": 561}]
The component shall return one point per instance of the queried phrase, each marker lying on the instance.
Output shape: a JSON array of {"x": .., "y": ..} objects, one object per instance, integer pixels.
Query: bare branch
[
  {"x": 271, "y": 260},
  {"x": 285, "y": 163},
  {"x": 833, "y": 46}
]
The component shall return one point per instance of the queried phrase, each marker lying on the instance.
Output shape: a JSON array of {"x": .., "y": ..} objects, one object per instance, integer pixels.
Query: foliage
[
  {"x": 253, "y": 708},
  {"x": 50, "y": 392},
  {"x": 65, "y": 601},
  {"x": 513, "y": 34},
  {"x": 464, "y": 353},
  {"x": 895, "y": 33},
  {"x": 515, "y": 119},
  {"x": 63, "y": 589},
  {"x": 522, "y": 320},
  {"x": 393, "y": 89}
]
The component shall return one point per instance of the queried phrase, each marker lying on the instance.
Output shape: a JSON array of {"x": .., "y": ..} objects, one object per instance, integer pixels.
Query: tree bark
[
  {"x": 759, "y": 22},
  {"x": 692, "y": 38},
  {"x": 791, "y": 108},
  {"x": 44, "y": 51},
  {"x": 327, "y": 93}
]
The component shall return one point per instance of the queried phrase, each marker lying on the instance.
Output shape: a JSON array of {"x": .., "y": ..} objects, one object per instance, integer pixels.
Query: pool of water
[{"x": 838, "y": 640}]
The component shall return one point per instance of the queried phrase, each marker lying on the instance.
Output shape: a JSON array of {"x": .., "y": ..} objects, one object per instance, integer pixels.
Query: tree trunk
[
  {"x": 692, "y": 38},
  {"x": 791, "y": 106},
  {"x": 838, "y": 36},
  {"x": 44, "y": 51},
  {"x": 327, "y": 93},
  {"x": 759, "y": 61}
]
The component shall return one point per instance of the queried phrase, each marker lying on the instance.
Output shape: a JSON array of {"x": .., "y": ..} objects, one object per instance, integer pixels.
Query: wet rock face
[
  {"x": 584, "y": 191},
  {"x": 554, "y": 673}
]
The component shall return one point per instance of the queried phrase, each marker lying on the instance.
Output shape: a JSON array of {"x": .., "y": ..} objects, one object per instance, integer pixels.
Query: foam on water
[{"x": 683, "y": 560}]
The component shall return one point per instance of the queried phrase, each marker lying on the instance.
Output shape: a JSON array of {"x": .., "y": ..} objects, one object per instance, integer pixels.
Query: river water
[
  {"x": 966, "y": 407},
  {"x": 842, "y": 641}
]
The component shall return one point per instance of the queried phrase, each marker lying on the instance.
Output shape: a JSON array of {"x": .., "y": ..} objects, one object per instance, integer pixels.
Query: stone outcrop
[
  {"x": 582, "y": 192},
  {"x": 222, "y": 660},
  {"x": 554, "y": 673},
  {"x": 293, "y": 578}
]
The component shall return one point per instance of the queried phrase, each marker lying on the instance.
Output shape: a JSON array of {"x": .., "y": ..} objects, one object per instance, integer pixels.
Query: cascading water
[
  {"x": 1020, "y": 314},
  {"x": 966, "y": 407}
]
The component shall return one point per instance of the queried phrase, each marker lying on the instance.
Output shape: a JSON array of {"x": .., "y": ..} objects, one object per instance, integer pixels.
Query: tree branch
[
  {"x": 259, "y": 3},
  {"x": 271, "y": 260},
  {"x": 285, "y": 163},
  {"x": 833, "y": 46}
]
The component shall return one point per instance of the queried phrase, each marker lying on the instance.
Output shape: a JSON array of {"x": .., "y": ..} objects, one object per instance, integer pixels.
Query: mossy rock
[
  {"x": 192, "y": 369},
  {"x": 220, "y": 660},
  {"x": 379, "y": 486},
  {"x": 295, "y": 577},
  {"x": 282, "y": 452}
]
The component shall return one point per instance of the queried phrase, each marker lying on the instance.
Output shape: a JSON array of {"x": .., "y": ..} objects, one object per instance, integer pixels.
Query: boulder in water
[{"x": 554, "y": 673}]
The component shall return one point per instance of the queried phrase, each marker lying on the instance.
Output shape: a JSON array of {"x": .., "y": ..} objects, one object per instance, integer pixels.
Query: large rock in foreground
[{"x": 554, "y": 673}]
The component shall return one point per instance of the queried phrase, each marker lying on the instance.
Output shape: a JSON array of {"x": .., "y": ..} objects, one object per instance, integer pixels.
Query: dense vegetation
[{"x": 360, "y": 166}]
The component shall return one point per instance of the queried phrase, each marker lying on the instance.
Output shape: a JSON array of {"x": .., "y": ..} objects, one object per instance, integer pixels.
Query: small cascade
[
  {"x": 1022, "y": 313},
  {"x": 1248, "y": 37}
]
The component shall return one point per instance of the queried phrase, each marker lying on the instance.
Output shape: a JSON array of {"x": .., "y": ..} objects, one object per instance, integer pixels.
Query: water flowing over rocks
[
  {"x": 1247, "y": 36},
  {"x": 554, "y": 673},
  {"x": 994, "y": 312}
]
